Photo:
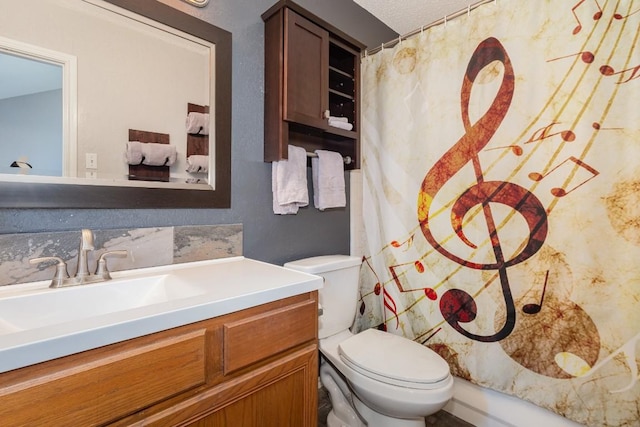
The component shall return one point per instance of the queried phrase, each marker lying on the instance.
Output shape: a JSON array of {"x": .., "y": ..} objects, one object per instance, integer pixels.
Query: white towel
[
  {"x": 150, "y": 154},
  {"x": 340, "y": 122},
  {"x": 198, "y": 164},
  {"x": 341, "y": 125},
  {"x": 198, "y": 123},
  {"x": 133, "y": 153},
  {"x": 289, "y": 182},
  {"x": 328, "y": 180}
]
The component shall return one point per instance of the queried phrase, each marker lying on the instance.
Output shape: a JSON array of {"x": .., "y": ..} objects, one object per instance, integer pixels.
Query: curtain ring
[{"x": 468, "y": 10}]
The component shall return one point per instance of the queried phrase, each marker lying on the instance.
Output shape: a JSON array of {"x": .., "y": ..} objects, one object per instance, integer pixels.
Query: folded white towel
[
  {"x": 198, "y": 164},
  {"x": 133, "y": 153},
  {"x": 338, "y": 119},
  {"x": 289, "y": 182},
  {"x": 328, "y": 180},
  {"x": 341, "y": 125},
  {"x": 150, "y": 154},
  {"x": 198, "y": 123}
]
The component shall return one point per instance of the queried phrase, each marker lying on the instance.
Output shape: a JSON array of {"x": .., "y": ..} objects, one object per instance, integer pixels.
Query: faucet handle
[
  {"x": 61, "y": 269},
  {"x": 102, "y": 270}
]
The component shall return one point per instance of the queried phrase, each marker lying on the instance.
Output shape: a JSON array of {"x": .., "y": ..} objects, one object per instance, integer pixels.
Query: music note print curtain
[{"x": 501, "y": 164}]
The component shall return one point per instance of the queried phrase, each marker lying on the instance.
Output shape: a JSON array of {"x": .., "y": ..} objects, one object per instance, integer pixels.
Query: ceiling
[{"x": 404, "y": 16}]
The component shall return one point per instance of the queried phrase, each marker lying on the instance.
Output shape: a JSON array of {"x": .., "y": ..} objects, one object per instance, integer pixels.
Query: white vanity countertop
[{"x": 219, "y": 287}]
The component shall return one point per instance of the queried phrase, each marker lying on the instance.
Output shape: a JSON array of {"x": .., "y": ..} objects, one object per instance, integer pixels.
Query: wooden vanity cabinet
[
  {"x": 256, "y": 367},
  {"x": 312, "y": 71}
]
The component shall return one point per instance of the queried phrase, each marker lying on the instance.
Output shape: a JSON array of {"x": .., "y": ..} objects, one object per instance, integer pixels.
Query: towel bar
[{"x": 346, "y": 159}]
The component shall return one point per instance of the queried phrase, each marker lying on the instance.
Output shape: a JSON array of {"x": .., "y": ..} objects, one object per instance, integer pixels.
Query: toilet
[{"x": 374, "y": 378}]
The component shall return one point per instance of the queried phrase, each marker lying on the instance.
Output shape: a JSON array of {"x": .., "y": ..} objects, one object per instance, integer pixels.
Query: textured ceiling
[{"x": 404, "y": 16}]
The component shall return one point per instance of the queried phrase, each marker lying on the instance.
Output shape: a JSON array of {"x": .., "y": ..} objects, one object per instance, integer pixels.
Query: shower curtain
[{"x": 501, "y": 200}]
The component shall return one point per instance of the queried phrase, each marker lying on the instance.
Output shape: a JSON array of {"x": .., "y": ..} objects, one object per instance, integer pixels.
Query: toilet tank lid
[{"x": 324, "y": 263}]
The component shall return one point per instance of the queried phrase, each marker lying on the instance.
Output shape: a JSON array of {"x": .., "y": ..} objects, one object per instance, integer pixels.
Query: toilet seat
[{"x": 394, "y": 360}]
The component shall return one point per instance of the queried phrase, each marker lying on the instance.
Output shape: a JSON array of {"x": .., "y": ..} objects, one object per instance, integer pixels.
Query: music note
[
  {"x": 535, "y": 308},
  {"x": 390, "y": 304},
  {"x": 586, "y": 57},
  {"x": 626, "y": 353},
  {"x": 620, "y": 17},
  {"x": 545, "y": 133},
  {"x": 429, "y": 292},
  {"x": 597, "y": 126},
  {"x": 430, "y": 336},
  {"x": 376, "y": 288},
  {"x": 407, "y": 242},
  {"x": 456, "y": 305},
  {"x": 596, "y": 16},
  {"x": 561, "y": 192},
  {"x": 515, "y": 149},
  {"x": 607, "y": 70}
]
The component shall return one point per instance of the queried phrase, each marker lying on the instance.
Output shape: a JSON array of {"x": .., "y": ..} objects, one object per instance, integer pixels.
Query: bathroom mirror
[{"x": 25, "y": 190}]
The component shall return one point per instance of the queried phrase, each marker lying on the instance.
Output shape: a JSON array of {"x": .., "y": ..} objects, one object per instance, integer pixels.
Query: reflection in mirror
[
  {"x": 133, "y": 73},
  {"x": 145, "y": 82},
  {"x": 31, "y": 118}
]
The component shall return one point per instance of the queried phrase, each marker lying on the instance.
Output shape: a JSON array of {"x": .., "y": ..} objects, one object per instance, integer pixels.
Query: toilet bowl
[
  {"x": 374, "y": 378},
  {"x": 395, "y": 381}
]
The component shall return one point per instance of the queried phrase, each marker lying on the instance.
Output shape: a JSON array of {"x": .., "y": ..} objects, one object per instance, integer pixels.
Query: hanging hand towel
[
  {"x": 198, "y": 164},
  {"x": 328, "y": 180},
  {"x": 289, "y": 182},
  {"x": 198, "y": 123}
]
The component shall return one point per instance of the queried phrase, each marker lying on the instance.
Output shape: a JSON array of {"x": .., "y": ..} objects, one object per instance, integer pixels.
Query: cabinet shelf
[
  {"x": 342, "y": 73},
  {"x": 341, "y": 94}
]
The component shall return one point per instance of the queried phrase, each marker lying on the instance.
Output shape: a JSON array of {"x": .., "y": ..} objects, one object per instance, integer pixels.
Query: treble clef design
[{"x": 456, "y": 305}]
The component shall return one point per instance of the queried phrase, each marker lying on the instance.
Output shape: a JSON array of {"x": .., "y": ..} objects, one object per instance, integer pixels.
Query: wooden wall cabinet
[
  {"x": 312, "y": 71},
  {"x": 256, "y": 367}
]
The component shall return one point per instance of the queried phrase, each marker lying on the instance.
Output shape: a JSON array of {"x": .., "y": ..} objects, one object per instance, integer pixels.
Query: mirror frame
[{"x": 79, "y": 196}]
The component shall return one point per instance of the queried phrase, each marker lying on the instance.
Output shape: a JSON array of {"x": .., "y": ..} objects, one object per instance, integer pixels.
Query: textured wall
[{"x": 266, "y": 236}]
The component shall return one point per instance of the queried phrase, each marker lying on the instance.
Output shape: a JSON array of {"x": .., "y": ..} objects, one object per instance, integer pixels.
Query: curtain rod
[{"x": 424, "y": 27}]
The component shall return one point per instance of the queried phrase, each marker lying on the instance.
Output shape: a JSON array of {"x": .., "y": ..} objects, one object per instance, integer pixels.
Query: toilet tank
[{"x": 338, "y": 296}]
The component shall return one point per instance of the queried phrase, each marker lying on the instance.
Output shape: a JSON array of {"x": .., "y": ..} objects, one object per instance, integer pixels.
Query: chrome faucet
[
  {"x": 86, "y": 245},
  {"x": 82, "y": 276}
]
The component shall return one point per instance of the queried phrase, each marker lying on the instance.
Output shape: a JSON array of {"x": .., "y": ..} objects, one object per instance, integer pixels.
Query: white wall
[{"x": 31, "y": 127}]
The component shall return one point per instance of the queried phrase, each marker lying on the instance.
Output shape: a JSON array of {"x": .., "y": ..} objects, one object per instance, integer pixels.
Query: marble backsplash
[{"x": 147, "y": 247}]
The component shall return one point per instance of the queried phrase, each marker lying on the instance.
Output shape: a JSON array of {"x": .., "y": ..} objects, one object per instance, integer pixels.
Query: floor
[{"x": 439, "y": 419}]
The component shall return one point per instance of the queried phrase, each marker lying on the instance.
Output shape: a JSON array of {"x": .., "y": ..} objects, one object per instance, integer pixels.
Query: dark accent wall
[{"x": 267, "y": 237}]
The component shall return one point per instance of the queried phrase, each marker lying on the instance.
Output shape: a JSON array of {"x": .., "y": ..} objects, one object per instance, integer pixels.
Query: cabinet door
[
  {"x": 281, "y": 394},
  {"x": 306, "y": 86}
]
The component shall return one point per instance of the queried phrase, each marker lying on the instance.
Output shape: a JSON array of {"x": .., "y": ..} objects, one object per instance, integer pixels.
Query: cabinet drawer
[
  {"x": 103, "y": 389},
  {"x": 255, "y": 338}
]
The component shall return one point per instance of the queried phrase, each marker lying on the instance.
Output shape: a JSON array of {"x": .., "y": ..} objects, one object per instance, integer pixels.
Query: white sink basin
[
  {"x": 38, "y": 323},
  {"x": 54, "y": 306}
]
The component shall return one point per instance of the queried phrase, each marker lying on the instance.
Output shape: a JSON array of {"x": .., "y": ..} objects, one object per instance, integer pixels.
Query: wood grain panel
[
  {"x": 144, "y": 172},
  {"x": 105, "y": 389},
  {"x": 281, "y": 393},
  {"x": 253, "y": 339},
  {"x": 197, "y": 144}
]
